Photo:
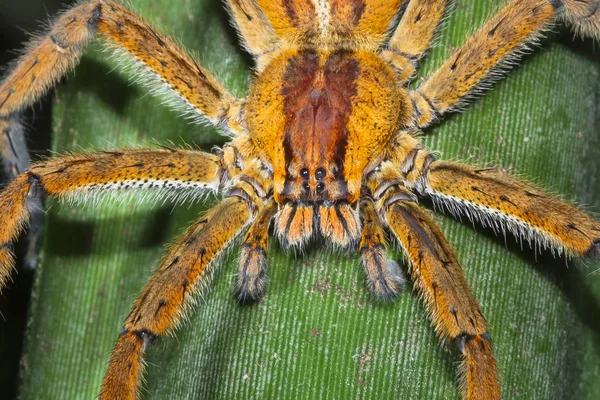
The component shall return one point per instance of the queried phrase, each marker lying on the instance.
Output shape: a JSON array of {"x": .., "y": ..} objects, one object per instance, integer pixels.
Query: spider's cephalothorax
[
  {"x": 323, "y": 145},
  {"x": 333, "y": 113}
]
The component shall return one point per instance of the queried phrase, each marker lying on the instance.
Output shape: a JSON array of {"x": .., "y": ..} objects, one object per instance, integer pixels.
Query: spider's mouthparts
[{"x": 297, "y": 223}]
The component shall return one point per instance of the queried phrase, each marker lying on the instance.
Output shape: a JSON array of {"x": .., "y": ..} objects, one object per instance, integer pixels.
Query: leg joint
[
  {"x": 144, "y": 336},
  {"x": 464, "y": 338}
]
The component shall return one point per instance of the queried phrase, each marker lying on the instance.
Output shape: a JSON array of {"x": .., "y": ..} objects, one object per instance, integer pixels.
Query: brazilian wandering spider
[{"x": 419, "y": 163}]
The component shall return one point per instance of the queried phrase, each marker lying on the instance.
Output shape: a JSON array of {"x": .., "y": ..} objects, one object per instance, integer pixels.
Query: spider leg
[
  {"x": 256, "y": 32},
  {"x": 504, "y": 203},
  {"x": 184, "y": 271},
  {"x": 15, "y": 156},
  {"x": 583, "y": 16},
  {"x": 492, "y": 49},
  {"x": 291, "y": 19},
  {"x": 496, "y": 200},
  {"x": 355, "y": 24},
  {"x": 52, "y": 54},
  {"x": 414, "y": 35},
  {"x": 252, "y": 275},
  {"x": 438, "y": 277},
  {"x": 76, "y": 177},
  {"x": 384, "y": 277}
]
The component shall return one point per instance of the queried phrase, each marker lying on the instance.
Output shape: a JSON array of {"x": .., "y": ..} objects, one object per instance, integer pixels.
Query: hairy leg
[
  {"x": 438, "y": 277},
  {"x": 52, "y": 54},
  {"x": 496, "y": 200},
  {"x": 414, "y": 35},
  {"x": 256, "y": 32},
  {"x": 77, "y": 177},
  {"x": 492, "y": 49},
  {"x": 170, "y": 293},
  {"x": 583, "y": 16},
  {"x": 504, "y": 203}
]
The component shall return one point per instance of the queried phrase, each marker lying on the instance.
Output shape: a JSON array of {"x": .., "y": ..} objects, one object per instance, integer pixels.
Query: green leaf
[{"x": 318, "y": 333}]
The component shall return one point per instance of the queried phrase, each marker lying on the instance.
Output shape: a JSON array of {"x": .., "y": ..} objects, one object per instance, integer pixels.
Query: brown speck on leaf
[
  {"x": 361, "y": 381},
  {"x": 364, "y": 361},
  {"x": 316, "y": 332},
  {"x": 321, "y": 287}
]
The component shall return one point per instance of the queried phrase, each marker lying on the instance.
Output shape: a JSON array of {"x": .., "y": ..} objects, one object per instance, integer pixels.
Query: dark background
[{"x": 17, "y": 20}]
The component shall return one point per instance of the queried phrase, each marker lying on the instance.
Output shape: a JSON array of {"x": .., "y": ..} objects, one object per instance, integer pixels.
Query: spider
[{"x": 330, "y": 71}]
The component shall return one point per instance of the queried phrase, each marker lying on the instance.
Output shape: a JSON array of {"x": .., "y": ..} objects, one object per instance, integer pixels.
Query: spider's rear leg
[
  {"x": 252, "y": 275},
  {"x": 414, "y": 35},
  {"x": 438, "y": 276},
  {"x": 504, "y": 203},
  {"x": 78, "y": 177},
  {"x": 384, "y": 277},
  {"x": 170, "y": 293}
]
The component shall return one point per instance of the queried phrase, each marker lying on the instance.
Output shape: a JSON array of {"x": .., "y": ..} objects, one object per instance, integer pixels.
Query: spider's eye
[
  {"x": 320, "y": 174},
  {"x": 304, "y": 173},
  {"x": 306, "y": 186},
  {"x": 320, "y": 187}
]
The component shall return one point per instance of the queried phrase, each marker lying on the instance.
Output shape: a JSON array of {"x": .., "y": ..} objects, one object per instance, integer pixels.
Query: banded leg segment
[
  {"x": 53, "y": 54},
  {"x": 82, "y": 175},
  {"x": 414, "y": 35},
  {"x": 438, "y": 276},
  {"x": 503, "y": 203},
  {"x": 480, "y": 60},
  {"x": 170, "y": 292},
  {"x": 128, "y": 169},
  {"x": 384, "y": 277},
  {"x": 252, "y": 275}
]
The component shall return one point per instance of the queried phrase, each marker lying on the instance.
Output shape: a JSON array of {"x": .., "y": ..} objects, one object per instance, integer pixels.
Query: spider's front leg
[
  {"x": 50, "y": 56},
  {"x": 500, "y": 41},
  {"x": 497, "y": 200},
  {"x": 439, "y": 278}
]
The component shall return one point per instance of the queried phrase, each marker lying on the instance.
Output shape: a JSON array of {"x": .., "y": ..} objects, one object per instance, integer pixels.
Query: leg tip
[
  {"x": 250, "y": 289},
  {"x": 594, "y": 251},
  {"x": 387, "y": 285},
  {"x": 249, "y": 294},
  {"x": 251, "y": 281}
]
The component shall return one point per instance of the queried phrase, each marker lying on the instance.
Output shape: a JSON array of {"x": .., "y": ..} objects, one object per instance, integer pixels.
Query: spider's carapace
[{"x": 333, "y": 114}]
